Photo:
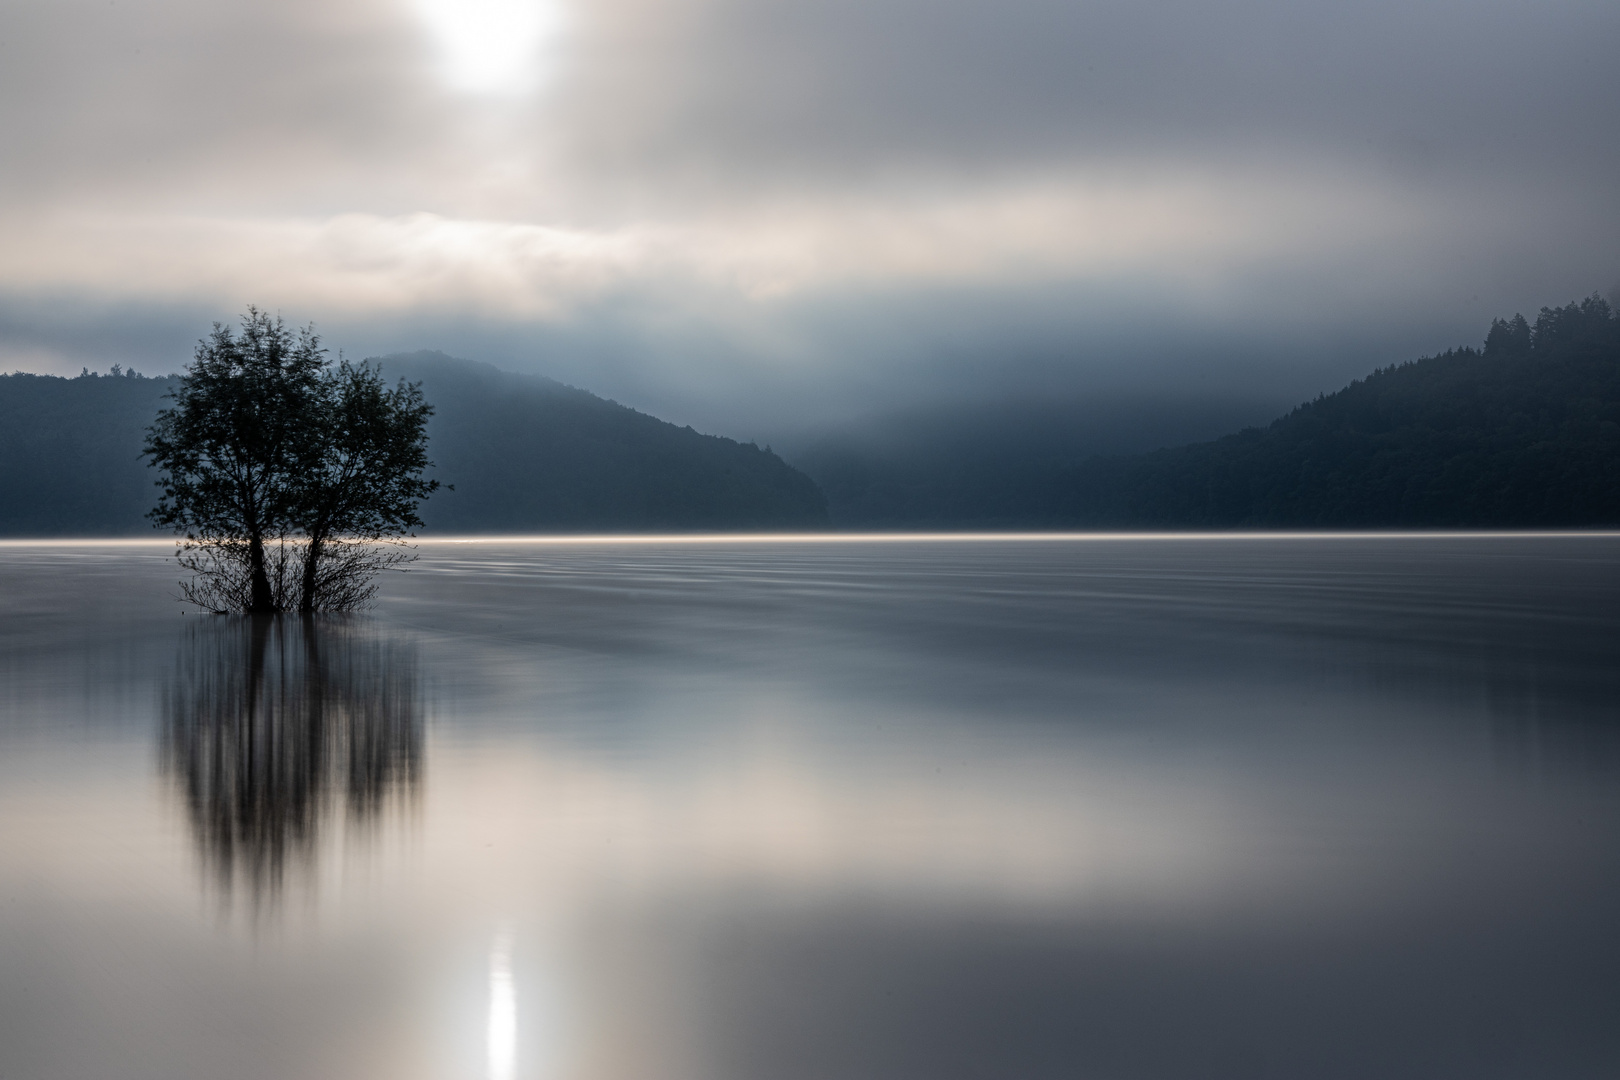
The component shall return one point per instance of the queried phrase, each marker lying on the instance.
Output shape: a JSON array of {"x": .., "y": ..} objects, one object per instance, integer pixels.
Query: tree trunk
[
  {"x": 312, "y": 555},
  {"x": 263, "y": 600}
]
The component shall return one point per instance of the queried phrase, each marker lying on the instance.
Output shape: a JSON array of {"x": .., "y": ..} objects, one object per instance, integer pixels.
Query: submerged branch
[{"x": 344, "y": 579}]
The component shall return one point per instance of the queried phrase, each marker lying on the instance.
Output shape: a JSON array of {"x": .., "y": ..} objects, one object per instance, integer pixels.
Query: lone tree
[
  {"x": 359, "y": 484},
  {"x": 290, "y": 479}
]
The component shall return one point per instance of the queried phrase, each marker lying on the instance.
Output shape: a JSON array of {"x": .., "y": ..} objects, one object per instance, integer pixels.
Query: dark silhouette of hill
[
  {"x": 70, "y": 449},
  {"x": 997, "y": 465},
  {"x": 529, "y": 454},
  {"x": 1524, "y": 433},
  {"x": 525, "y": 455}
]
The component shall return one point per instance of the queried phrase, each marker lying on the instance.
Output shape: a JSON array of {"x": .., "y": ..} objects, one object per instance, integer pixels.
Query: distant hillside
[
  {"x": 1525, "y": 433},
  {"x": 525, "y": 455},
  {"x": 70, "y": 449},
  {"x": 997, "y": 464}
]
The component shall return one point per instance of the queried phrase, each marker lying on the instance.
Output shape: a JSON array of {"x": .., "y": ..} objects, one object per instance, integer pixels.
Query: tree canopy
[{"x": 286, "y": 475}]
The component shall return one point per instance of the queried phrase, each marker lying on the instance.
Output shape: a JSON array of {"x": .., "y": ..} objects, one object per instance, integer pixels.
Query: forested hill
[
  {"x": 1525, "y": 433},
  {"x": 1522, "y": 433},
  {"x": 529, "y": 454},
  {"x": 525, "y": 455},
  {"x": 70, "y": 461}
]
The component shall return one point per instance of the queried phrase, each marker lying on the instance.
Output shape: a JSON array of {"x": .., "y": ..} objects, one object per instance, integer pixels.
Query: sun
[{"x": 491, "y": 46}]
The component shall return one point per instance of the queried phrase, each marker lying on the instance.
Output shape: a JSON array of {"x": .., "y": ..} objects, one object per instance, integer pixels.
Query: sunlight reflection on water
[{"x": 502, "y": 1010}]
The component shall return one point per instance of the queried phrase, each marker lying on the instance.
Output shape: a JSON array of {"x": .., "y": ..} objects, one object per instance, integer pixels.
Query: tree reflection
[{"x": 271, "y": 724}]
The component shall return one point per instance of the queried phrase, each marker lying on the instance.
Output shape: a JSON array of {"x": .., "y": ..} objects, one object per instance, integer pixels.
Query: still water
[{"x": 1081, "y": 808}]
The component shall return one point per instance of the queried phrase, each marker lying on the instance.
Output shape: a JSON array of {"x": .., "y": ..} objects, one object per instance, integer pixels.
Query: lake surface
[{"x": 1105, "y": 808}]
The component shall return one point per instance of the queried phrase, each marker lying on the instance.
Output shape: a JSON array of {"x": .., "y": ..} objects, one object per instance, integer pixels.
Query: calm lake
[{"x": 1080, "y": 808}]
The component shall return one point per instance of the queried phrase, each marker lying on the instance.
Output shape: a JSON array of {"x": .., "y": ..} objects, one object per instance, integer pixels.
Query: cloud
[
  {"x": 1184, "y": 230},
  {"x": 697, "y": 200}
]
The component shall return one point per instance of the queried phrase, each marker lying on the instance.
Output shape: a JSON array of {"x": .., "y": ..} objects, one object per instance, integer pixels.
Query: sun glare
[{"x": 490, "y": 46}]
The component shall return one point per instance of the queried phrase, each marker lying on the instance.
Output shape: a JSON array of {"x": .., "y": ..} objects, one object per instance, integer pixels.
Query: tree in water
[
  {"x": 291, "y": 480},
  {"x": 360, "y": 485}
]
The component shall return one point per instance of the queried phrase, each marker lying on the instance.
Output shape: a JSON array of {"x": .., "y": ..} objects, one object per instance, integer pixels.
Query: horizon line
[{"x": 978, "y": 536}]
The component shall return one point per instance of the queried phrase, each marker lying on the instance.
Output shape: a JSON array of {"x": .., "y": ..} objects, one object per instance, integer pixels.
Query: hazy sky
[{"x": 751, "y": 214}]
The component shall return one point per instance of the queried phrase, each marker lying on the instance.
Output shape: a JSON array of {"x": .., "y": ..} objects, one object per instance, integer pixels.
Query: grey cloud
[
  {"x": 794, "y": 87},
  {"x": 334, "y": 101},
  {"x": 211, "y": 104},
  {"x": 1491, "y": 125}
]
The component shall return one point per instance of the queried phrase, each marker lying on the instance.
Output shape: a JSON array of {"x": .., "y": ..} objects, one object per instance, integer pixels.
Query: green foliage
[{"x": 1523, "y": 434}]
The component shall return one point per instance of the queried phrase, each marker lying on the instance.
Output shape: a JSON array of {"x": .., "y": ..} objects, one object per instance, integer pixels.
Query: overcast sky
[{"x": 750, "y": 214}]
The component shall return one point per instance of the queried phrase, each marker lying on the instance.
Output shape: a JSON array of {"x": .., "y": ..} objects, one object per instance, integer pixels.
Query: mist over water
[{"x": 1239, "y": 807}]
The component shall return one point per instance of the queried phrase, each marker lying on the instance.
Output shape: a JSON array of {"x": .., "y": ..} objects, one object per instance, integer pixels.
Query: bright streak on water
[
  {"x": 502, "y": 1011},
  {"x": 571, "y": 540}
]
